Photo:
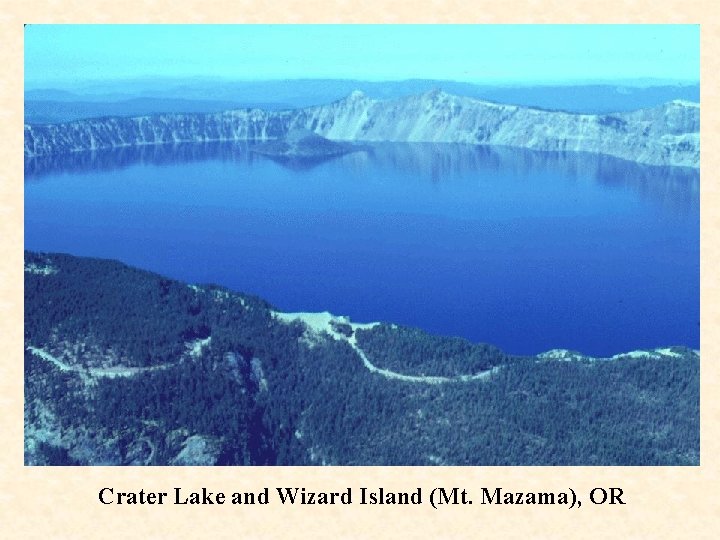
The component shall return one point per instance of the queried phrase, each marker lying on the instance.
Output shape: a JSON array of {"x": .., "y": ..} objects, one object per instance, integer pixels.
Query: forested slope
[{"x": 124, "y": 366}]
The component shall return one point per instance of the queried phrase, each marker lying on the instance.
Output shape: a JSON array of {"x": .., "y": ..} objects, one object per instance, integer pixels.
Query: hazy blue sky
[{"x": 59, "y": 55}]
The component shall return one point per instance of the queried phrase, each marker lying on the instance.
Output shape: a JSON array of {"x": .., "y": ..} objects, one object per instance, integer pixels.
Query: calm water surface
[{"x": 525, "y": 250}]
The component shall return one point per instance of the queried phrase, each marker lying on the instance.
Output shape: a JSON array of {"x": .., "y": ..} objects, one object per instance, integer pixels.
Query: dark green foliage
[
  {"x": 613, "y": 122},
  {"x": 414, "y": 352},
  {"x": 344, "y": 328},
  {"x": 302, "y": 143},
  {"x": 195, "y": 396},
  {"x": 54, "y": 455},
  {"x": 131, "y": 310},
  {"x": 270, "y": 396}
]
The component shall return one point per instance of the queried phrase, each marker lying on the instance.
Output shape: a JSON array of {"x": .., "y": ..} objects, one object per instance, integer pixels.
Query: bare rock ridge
[{"x": 668, "y": 135}]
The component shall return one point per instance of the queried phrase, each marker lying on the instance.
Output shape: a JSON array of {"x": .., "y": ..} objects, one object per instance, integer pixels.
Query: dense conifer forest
[{"x": 123, "y": 366}]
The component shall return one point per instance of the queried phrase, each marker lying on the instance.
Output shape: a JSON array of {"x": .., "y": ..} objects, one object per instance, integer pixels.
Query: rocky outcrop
[
  {"x": 197, "y": 450},
  {"x": 666, "y": 135}
]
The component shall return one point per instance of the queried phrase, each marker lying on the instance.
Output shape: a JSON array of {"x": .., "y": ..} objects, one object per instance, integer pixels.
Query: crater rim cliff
[{"x": 667, "y": 135}]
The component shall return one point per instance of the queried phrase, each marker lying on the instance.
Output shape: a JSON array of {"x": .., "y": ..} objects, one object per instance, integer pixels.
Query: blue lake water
[{"x": 528, "y": 251}]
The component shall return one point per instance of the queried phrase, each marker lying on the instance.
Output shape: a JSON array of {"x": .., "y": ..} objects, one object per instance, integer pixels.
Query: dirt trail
[
  {"x": 323, "y": 323},
  {"x": 87, "y": 374}
]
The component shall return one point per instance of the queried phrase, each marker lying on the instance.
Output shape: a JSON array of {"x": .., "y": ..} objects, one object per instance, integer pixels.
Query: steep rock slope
[{"x": 667, "y": 135}]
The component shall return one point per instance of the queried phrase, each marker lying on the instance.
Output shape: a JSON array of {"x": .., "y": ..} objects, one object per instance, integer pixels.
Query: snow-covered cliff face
[
  {"x": 667, "y": 135},
  {"x": 106, "y": 133}
]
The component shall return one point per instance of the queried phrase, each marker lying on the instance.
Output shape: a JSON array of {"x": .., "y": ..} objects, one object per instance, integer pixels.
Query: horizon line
[{"x": 84, "y": 84}]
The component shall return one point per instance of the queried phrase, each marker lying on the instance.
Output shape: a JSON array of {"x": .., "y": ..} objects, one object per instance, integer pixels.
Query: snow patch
[
  {"x": 567, "y": 355},
  {"x": 562, "y": 354},
  {"x": 88, "y": 375},
  {"x": 635, "y": 354},
  {"x": 43, "y": 270},
  {"x": 668, "y": 352},
  {"x": 685, "y": 103},
  {"x": 195, "y": 348},
  {"x": 327, "y": 324}
]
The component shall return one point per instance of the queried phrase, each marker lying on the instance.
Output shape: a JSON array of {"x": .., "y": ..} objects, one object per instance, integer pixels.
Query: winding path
[
  {"x": 89, "y": 373},
  {"x": 318, "y": 323}
]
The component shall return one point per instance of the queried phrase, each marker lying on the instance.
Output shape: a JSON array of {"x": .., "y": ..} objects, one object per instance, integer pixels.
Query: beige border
[{"x": 52, "y": 503}]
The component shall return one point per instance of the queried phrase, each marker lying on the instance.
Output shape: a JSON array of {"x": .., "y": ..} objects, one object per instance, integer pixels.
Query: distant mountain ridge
[
  {"x": 667, "y": 135},
  {"x": 58, "y": 111},
  {"x": 599, "y": 97}
]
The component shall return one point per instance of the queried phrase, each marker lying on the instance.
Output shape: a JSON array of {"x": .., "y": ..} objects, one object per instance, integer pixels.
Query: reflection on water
[
  {"x": 156, "y": 154},
  {"x": 525, "y": 250},
  {"x": 675, "y": 188}
]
